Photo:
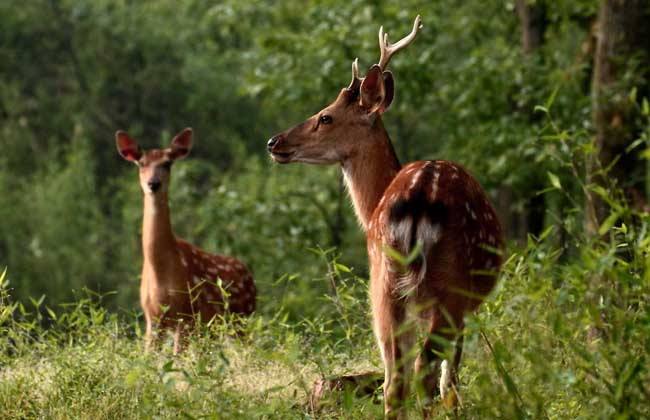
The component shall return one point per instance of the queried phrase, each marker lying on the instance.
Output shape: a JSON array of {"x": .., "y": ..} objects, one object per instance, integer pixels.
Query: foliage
[
  {"x": 238, "y": 72},
  {"x": 566, "y": 334},
  {"x": 531, "y": 352}
]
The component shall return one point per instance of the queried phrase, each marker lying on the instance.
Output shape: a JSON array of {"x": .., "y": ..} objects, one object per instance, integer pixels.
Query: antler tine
[
  {"x": 355, "y": 75},
  {"x": 387, "y": 49}
]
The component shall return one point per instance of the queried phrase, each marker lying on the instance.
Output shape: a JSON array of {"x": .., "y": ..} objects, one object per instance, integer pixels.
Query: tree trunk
[
  {"x": 532, "y": 17},
  {"x": 622, "y": 51}
]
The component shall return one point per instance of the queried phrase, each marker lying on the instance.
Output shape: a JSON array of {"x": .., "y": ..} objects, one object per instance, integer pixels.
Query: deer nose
[
  {"x": 272, "y": 142},
  {"x": 154, "y": 185}
]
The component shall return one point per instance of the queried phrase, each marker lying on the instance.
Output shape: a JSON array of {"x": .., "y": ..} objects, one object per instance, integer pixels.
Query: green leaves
[{"x": 555, "y": 181}]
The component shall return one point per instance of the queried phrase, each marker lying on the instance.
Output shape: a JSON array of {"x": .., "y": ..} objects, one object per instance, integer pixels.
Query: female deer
[
  {"x": 180, "y": 282},
  {"x": 434, "y": 206}
]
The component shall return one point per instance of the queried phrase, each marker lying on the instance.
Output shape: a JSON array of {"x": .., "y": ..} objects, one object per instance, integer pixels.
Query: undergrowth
[{"x": 547, "y": 344}]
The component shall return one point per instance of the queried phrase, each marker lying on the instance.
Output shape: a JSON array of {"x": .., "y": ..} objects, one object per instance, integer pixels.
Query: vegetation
[{"x": 567, "y": 333}]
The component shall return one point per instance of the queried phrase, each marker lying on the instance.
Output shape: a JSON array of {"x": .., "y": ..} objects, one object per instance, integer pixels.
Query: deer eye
[
  {"x": 325, "y": 119},
  {"x": 167, "y": 165}
]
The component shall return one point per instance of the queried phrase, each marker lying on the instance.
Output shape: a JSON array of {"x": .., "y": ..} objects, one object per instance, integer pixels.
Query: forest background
[{"x": 545, "y": 102}]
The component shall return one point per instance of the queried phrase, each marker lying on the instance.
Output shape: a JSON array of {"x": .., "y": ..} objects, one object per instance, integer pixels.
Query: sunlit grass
[{"x": 528, "y": 353}]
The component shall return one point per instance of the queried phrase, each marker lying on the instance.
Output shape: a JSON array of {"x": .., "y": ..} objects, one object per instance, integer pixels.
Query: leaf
[
  {"x": 51, "y": 313},
  {"x": 341, "y": 267},
  {"x": 632, "y": 95},
  {"x": 168, "y": 366},
  {"x": 555, "y": 181},
  {"x": 551, "y": 99},
  {"x": 646, "y": 154},
  {"x": 645, "y": 107},
  {"x": 608, "y": 223}
]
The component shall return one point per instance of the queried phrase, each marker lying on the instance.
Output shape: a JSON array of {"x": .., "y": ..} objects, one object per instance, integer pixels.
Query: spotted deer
[
  {"x": 433, "y": 209},
  {"x": 180, "y": 282}
]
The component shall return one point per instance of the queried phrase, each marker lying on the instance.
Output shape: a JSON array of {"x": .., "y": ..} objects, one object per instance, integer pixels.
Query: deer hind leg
[
  {"x": 395, "y": 337},
  {"x": 181, "y": 333},
  {"x": 429, "y": 363},
  {"x": 449, "y": 377}
]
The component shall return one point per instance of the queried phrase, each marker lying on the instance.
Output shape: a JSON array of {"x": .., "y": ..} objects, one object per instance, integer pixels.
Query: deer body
[
  {"x": 435, "y": 207},
  {"x": 179, "y": 281}
]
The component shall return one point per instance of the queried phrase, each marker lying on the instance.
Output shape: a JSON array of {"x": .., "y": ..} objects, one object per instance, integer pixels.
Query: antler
[
  {"x": 388, "y": 49},
  {"x": 356, "y": 80}
]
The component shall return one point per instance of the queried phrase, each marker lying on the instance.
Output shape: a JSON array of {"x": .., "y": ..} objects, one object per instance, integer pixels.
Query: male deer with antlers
[
  {"x": 435, "y": 207},
  {"x": 179, "y": 281}
]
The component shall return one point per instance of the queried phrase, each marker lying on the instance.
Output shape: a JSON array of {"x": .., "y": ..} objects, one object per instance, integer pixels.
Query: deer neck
[
  {"x": 368, "y": 172},
  {"x": 158, "y": 241}
]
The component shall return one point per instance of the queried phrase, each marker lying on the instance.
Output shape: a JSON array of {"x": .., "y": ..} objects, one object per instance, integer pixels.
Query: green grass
[{"x": 556, "y": 340}]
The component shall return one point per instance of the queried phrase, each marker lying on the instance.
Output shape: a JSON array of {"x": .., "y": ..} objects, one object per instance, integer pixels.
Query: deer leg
[
  {"x": 429, "y": 361},
  {"x": 449, "y": 378},
  {"x": 151, "y": 335},
  {"x": 395, "y": 340},
  {"x": 180, "y": 336}
]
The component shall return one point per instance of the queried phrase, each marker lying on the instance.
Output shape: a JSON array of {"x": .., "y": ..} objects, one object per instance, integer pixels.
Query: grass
[{"x": 547, "y": 344}]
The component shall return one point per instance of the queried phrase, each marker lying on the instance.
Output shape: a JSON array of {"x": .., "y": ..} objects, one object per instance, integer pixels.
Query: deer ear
[
  {"x": 127, "y": 147},
  {"x": 181, "y": 144},
  {"x": 372, "y": 91},
  {"x": 389, "y": 87}
]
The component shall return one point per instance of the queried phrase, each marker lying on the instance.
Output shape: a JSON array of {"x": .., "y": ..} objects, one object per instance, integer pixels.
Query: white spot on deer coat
[
  {"x": 434, "y": 189},
  {"x": 417, "y": 176}
]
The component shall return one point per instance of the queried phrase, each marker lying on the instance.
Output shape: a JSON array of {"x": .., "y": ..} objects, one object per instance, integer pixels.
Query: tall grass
[{"x": 547, "y": 344}]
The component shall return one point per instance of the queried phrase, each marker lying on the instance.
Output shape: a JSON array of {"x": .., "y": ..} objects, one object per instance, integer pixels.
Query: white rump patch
[
  {"x": 426, "y": 234},
  {"x": 401, "y": 233}
]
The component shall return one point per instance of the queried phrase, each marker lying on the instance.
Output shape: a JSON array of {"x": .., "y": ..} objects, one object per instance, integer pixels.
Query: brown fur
[
  {"x": 180, "y": 281},
  {"x": 394, "y": 204}
]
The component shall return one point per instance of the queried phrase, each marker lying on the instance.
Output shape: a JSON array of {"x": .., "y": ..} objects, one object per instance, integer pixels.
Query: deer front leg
[
  {"x": 151, "y": 335},
  {"x": 395, "y": 340}
]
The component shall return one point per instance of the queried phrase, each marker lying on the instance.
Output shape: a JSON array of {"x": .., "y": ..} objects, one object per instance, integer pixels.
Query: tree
[{"x": 621, "y": 64}]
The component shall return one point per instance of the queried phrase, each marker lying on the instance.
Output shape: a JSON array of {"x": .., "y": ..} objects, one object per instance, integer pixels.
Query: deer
[
  {"x": 434, "y": 209},
  {"x": 180, "y": 283}
]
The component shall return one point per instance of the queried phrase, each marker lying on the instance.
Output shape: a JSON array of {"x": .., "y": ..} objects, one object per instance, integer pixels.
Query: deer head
[
  {"x": 344, "y": 128},
  {"x": 155, "y": 164}
]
